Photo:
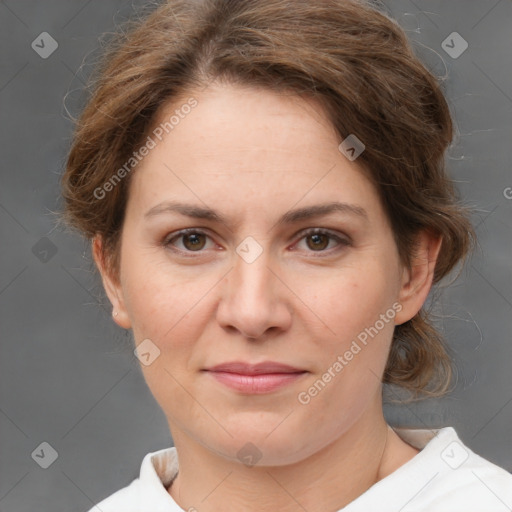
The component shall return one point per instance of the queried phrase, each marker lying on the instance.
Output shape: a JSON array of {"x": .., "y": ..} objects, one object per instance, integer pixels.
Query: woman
[{"x": 264, "y": 185}]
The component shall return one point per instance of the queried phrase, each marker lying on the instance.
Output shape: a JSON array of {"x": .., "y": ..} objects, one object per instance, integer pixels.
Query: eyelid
[{"x": 185, "y": 231}]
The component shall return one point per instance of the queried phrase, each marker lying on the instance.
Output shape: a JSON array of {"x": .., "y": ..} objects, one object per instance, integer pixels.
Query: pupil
[
  {"x": 194, "y": 241},
  {"x": 317, "y": 240}
]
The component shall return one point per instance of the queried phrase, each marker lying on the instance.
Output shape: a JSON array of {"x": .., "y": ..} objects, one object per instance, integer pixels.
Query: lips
[
  {"x": 255, "y": 378},
  {"x": 242, "y": 368}
]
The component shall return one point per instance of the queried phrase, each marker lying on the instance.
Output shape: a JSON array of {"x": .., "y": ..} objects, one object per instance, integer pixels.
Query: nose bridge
[
  {"x": 251, "y": 301},
  {"x": 252, "y": 279}
]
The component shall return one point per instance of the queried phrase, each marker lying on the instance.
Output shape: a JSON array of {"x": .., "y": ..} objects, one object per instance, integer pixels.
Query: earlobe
[
  {"x": 418, "y": 278},
  {"x": 111, "y": 285}
]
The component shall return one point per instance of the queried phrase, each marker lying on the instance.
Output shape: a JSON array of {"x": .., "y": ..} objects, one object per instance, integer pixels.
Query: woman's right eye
[{"x": 192, "y": 240}]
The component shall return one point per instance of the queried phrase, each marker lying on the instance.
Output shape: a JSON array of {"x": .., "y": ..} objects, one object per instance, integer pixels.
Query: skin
[{"x": 252, "y": 155}]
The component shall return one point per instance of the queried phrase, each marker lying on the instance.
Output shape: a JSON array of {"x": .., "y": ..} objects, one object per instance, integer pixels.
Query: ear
[
  {"x": 417, "y": 279},
  {"x": 112, "y": 285}
]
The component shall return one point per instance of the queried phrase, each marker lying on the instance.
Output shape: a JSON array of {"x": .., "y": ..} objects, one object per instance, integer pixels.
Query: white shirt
[{"x": 445, "y": 476}]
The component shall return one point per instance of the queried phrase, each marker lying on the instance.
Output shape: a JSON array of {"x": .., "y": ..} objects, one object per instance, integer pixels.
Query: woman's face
[{"x": 253, "y": 282}]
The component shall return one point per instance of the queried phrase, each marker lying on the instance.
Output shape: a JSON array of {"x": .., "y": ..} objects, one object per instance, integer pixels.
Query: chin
[{"x": 261, "y": 446}]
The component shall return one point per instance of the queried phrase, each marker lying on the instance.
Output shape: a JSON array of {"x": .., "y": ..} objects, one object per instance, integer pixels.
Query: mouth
[{"x": 255, "y": 378}]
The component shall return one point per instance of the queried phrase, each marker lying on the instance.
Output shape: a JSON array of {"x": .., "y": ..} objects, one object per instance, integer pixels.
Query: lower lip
[{"x": 256, "y": 384}]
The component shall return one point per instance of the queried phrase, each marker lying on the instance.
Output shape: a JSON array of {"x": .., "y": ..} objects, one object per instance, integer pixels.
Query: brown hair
[{"x": 354, "y": 60}]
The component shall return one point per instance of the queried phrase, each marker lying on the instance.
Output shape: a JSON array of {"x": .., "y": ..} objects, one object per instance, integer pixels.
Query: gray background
[{"x": 68, "y": 376}]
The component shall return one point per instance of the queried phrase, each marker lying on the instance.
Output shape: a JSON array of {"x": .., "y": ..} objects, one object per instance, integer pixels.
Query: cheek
[
  {"x": 359, "y": 306},
  {"x": 158, "y": 297},
  {"x": 360, "y": 312},
  {"x": 167, "y": 310},
  {"x": 355, "y": 299}
]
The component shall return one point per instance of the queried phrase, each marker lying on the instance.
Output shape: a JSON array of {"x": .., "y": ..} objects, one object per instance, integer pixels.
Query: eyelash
[{"x": 342, "y": 242}]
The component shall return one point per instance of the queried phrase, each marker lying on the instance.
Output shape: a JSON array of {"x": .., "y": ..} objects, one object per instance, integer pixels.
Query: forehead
[
  {"x": 246, "y": 144},
  {"x": 235, "y": 122}
]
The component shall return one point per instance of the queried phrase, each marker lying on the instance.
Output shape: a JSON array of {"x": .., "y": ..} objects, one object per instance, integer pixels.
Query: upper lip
[{"x": 254, "y": 369}]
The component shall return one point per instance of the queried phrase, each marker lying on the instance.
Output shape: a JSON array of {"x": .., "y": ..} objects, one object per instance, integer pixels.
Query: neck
[{"x": 328, "y": 480}]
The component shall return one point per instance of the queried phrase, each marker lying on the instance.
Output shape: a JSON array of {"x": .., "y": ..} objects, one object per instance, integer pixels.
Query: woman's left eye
[{"x": 319, "y": 240}]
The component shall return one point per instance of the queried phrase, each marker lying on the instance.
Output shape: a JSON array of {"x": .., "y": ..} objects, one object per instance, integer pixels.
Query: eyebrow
[{"x": 290, "y": 217}]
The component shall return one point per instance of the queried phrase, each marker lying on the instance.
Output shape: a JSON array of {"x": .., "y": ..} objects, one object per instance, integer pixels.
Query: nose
[{"x": 254, "y": 301}]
